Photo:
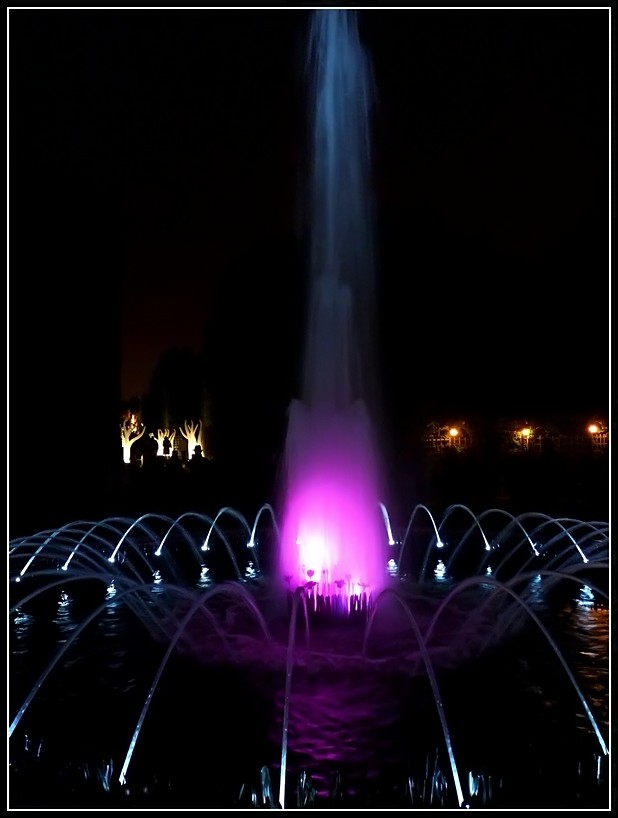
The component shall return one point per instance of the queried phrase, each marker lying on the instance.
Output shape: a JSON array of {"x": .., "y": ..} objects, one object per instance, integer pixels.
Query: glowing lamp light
[
  {"x": 453, "y": 431},
  {"x": 594, "y": 429},
  {"x": 524, "y": 436}
]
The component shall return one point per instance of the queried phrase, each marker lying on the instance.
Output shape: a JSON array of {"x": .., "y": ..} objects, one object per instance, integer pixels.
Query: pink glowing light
[{"x": 332, "y": 533}]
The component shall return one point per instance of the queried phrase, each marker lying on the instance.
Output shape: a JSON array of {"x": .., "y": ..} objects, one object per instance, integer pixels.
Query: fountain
[
  {"x": 478, "y": 676},
  {"x": 334, "y": 657},
  {"x": 330, "y": 534}
]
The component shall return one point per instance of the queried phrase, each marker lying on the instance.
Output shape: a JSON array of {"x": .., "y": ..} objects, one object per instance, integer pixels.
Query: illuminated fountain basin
[{"x": 478, "y": 676}]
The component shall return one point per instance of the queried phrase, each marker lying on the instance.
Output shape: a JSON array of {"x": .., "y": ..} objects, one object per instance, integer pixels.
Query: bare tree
[
  {"x": 193, "y": 434},
  {"x": 170, "y": 434},
  {"x": 130, "y": 431}
]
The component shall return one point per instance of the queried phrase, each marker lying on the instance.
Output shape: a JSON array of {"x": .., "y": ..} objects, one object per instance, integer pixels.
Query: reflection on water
[
  {"x": 586, "y": 627},
  {"x": 517, "y": 726},
  {"x": 511, "y": 711}
]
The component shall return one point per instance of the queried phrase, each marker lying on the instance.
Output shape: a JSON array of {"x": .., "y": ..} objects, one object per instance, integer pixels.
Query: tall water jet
[{"x": 331, "y": 534}]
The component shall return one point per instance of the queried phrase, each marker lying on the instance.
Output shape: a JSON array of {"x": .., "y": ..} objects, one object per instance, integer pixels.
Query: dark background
[{"x": 156, "y": 168}]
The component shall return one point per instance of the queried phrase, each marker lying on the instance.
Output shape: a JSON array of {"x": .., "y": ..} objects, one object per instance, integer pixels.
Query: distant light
[
  {"x": 453, "y": 431},
  {"x": 594, "y": 429},
  {"x": 526, "y": 431}
]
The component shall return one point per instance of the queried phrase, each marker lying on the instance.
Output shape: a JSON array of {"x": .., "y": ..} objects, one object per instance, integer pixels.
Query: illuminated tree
[
  {"x": 193, "y": 434},
  {"x": 170, "y": 434},
  {"x": 130, "y": 431},
  {"x": 206, "y": 416}
]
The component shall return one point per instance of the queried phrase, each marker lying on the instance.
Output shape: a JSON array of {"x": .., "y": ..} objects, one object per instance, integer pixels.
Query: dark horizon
[{"x": 157, "y": 169}]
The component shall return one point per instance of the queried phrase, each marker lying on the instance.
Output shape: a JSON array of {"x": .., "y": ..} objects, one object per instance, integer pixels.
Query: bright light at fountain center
[
  {"x": 332, "y": 532},
  {"x": 332, "y": 525}
]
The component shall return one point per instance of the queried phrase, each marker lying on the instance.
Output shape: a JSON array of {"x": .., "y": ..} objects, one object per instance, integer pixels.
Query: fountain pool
[{"x": 156, "y": 662}]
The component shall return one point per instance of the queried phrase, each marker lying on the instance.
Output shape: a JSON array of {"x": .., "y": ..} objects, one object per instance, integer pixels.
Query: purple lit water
[
  {"x": 332, "y": 531},
  {"x": 217, "y": 718}
]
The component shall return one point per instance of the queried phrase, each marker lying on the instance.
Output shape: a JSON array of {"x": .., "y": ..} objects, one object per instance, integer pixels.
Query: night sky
[{"x": 156, "y": 201}]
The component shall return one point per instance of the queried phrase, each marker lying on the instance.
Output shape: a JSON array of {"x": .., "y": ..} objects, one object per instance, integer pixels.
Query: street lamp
[
  {"x": 598, "y": 434},
  {"x": 524, "y": 436}
]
